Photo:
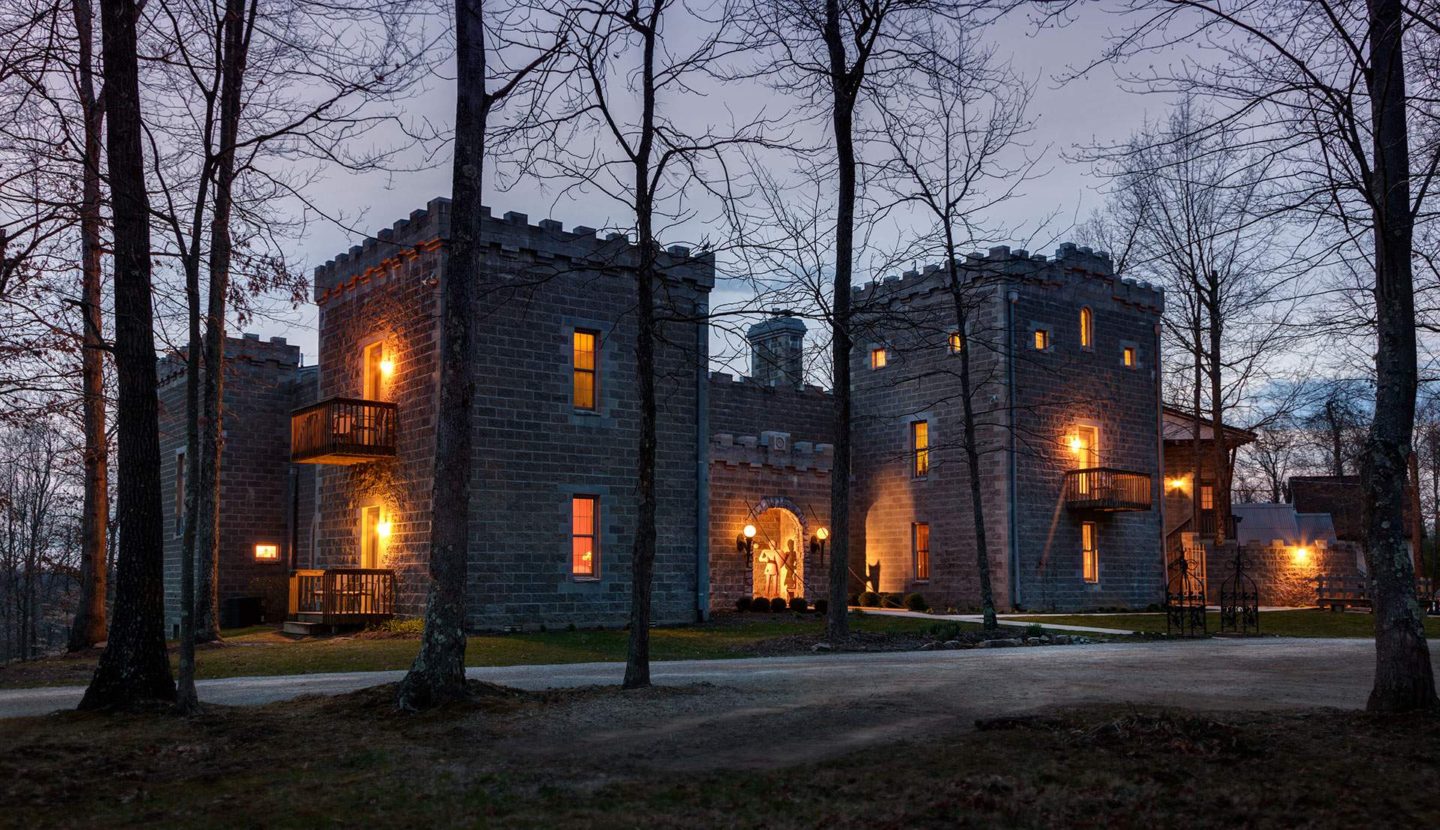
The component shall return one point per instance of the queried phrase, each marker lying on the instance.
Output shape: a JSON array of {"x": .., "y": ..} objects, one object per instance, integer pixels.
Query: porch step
[{"x": 302, "y": 627}]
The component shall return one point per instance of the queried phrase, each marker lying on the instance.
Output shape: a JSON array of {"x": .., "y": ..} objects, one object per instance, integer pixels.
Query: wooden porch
[{"x": 333, "y": 598}]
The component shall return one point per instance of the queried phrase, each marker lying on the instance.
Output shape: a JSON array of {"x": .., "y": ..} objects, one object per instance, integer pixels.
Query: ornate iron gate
[
  {"x": 1239, "y": 600},
  {"x": 1184, "y": 600}
]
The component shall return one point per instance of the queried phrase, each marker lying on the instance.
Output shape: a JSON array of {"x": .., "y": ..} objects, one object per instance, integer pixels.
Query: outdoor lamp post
[
  {"x": 817, "y": 544},
  {"x": 745, "y": 543}
]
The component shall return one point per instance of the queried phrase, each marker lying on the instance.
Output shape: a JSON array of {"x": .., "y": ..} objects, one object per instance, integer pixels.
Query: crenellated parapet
[
  {"x": 1070, "y": 265},
  {"x": 771, "y": 449},
  {"x": 545, "y": 241}
]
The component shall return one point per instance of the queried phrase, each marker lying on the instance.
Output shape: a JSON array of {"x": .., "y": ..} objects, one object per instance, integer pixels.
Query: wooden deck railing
[
  {"x": 342, "y": 596},
  {"x": 342, "y": 431},
  {"x": 1106, "y": 489},
  {"x": 1340, "y": 592}
]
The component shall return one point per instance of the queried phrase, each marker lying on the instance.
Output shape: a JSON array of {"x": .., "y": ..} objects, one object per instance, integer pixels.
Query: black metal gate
[
  {"x": 1184, "y": 600},
  {"x": 1239, "y": 600}
]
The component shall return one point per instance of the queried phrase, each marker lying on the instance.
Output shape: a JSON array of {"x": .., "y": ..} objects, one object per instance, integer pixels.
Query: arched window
[{"x": 1087, "y": 328}]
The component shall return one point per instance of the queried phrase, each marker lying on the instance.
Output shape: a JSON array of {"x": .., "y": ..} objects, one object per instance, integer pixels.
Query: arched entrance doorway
[{"x": 778, "y": 567}]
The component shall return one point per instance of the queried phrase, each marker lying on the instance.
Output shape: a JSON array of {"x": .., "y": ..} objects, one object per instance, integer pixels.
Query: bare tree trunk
[
  {"x": 89, "y": 626},
  {"x": 1217, "y": 411},
  {"x": 133, "y": 669},
  {"x": 844, "y": 91},
  {"x": 1403, "y": 676},
  {"x": 438, "y": 673},
  {"x": 1196, "y": 445},
  {"x": 235, "y": 34}
]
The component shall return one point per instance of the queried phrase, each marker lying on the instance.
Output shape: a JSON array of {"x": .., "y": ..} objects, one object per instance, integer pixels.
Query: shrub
[
  {"x": 915, "y": 602},
  {"x": 854, "y": 599},
  {"x": 822, "y": 606},
  {"x": 948, "y": 630},
  {"x": 870, "y": 599},
  {"x": 1034, "y": 630},
  {"x": 760, "y": 604},
  {"x": 799, "y": 604},
  {"x": 742, "y": 604},
  {"x": 402, "y": 628},
  {"x": 893, "y": 601},
  {"x": 777, "y": 604}
]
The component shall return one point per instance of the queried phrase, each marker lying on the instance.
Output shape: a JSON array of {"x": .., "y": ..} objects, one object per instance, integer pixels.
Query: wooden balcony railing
[
  {"x": 1108, "y": 490},
  {"x": 342, "y": 431},
  {"x": 342, "y": 596}
]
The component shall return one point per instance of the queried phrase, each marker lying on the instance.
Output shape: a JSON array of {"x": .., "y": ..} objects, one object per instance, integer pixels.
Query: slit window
[
  {"x": 1127, "y": 357},
  {"x": 1089, "y": 553},
  {"x": 1042, "y": 339},
  {"x": 585, "y": 369},
  {"x": 920, "y": 544},
  {"x": 878, "y": 357},
  {"x": 1087, "y": 328},
  {"x": 584, "y": 535},
  {"x": 920, "y": 449}
]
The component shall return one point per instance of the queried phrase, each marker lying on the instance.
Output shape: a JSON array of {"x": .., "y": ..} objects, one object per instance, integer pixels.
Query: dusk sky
[{"x": 1068, "y": 116}]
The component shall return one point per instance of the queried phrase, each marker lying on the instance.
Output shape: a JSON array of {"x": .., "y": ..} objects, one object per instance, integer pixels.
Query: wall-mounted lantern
[
  {"x": 1302, "y": 555},
  {"x": 817, "y": 544},
  {"x": 382, "y": 528},
  {"x": 387, "y": 366},
  {"x": 745, "y": 543},
  {"x": 1176, "y": 484}
]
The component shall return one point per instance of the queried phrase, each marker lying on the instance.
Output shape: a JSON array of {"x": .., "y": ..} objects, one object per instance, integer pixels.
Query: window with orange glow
[
  {"x": 584, "y": 535},
  {"x": 584, "y": 385},
  {"x": 267, "y": 553},
  {"x": 1207, "y": 497},
  {"x": 373, "y": 380},
  {"x": 957, "y": 342},
  {"x": 1127, "y": 356},
  {"x": 920, "y": 448},
  {"x": 1087, "y": 328},
  {"x": 371, "y": 539},
  {"x": 920, "y": 542},
  {"x": 1089, "y": 552},
  {"x": 1042, "y": 340},
  {"x": 877, "y": 357}
]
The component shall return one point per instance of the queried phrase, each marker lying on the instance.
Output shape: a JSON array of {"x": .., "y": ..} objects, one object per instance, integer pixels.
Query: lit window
[
  {"x": 920, "y": 542},
  {"x": 1207, "y": 497},
  {"x": 957, "y": 342},
  {"x": 1042, "y": 340},
  {"x": 375, "y": 369},
  {"x": 179, "y": 492},
  {"x": 1127, "y": 356},
  {"x": 877, "y": 357},
  {"x": 1089, "y": 552},
  {"x": 920, "y": 448},
  {"x": 267, "y": 553},
  {"x": 584, "y": 384},
  {"x": 584, "y": 536},
  {"x": 1087, "y": 328},
  {"x": 373, "y": 530}
]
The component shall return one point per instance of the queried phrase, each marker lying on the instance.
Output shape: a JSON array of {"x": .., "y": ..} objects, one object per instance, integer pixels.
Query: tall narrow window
[
  {"x": 1089, "y": 552},
  {"x": 1085, "y": 446},
  {"x": 1042, "y": 339},
  {"x": 877, "y": 357},
  {"x": 584, "y": 385},
  {"x": 1207, "y": 497},
  {"x": 371, "y": 536},
  {"x": 920, "y": 448},
  {"x": 1087, "y": 328},
  {"x": 179, "y": 493},
  {"x": 584, "y": 535},
  {"x": 373, "y": 381},
  {"x": 957, "y": 342},
  {"x": 1127, "y": 357},
  {"x": 920, "y": 545}
]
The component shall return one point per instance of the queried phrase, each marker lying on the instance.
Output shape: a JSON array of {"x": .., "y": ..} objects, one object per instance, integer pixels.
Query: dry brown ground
[{"x": 712, "y": 756}]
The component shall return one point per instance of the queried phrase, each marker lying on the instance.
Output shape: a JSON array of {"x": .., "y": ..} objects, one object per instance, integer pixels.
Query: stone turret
[{"x": 777, "y": 348}]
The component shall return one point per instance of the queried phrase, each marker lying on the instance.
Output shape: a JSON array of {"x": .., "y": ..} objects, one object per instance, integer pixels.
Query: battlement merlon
[
  {"x": 809, "y": 390},
  {"x": 548, "y": 239},
  {"x": 1071, "y": 262}
]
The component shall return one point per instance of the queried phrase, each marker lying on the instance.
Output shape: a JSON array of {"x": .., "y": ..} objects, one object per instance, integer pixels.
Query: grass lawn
[
  {"x": 353, "y": 762},
  {"x": 263, "y": 651},
  {"x": 1310, "y": 622}
]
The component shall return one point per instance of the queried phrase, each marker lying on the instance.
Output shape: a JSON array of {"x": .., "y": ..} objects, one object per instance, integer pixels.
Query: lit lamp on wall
[
  {"x": 1176, "y": 484},
  {"x": 382, "y": 528},
  {"x": 1302, "y": 554},
  {"x": 817, "y": 544},
  {"x": 387, "y": 366},
  {"x": 745, "y": 543},
  {"x": 1076, "y": 445}
]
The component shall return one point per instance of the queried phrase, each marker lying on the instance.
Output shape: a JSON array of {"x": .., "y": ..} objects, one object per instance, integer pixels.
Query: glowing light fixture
[
  {"x": 382, "y": 528},
  {"x": 1176, "y": 483},
  {"x": 387, "y": 366},
  {"x": 749, "y": 531},
  {"x": 745, "y": 543},
  {"x": 1302, "y": 554},
  {"x": 1076, "y": 445},
  {"x": 822, "y": 534},
  {"x": 267, "y": 553}
]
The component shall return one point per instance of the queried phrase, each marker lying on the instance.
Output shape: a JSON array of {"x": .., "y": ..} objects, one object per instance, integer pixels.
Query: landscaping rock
[
  {"x": 1062, "y": 639},
  {"x": 930, "y": 646},
  {"x": 951, "y": 645},
  {"x": 1005, "y": 643},
  {"x": 819, "y": 647},
  {"x": 1033, "y": 641}
]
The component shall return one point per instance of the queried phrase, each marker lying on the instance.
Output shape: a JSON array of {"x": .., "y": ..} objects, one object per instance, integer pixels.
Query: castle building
[{"x": 1065, "y": 393}]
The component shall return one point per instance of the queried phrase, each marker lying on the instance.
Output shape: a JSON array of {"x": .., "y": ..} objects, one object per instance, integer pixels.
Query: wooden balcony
[
  {"x": 339, "y": 597},
  {"x": 1106, "y": 490},
  {"x": 342, "y": 431}
]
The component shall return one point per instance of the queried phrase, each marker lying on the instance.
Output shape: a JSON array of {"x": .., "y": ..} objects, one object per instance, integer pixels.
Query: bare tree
[
  {"x": 134, "y": 668},
  {"x": 438, "y": 673},
  {"x": 1322, "y": 86}
]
